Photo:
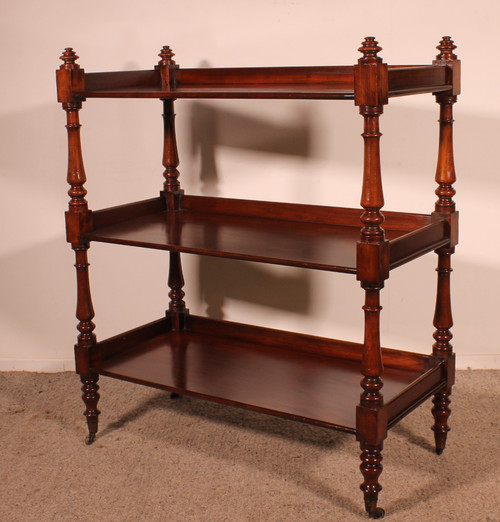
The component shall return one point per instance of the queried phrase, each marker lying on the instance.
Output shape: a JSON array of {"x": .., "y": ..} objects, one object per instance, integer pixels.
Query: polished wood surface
[
  {"x": 335, "y": 83},
  {"x": 361, "y": 388},
  {"x": 242, "y": 229},
  {"x": 260, "y": 369},
  {"x": 445, "y": 206}
]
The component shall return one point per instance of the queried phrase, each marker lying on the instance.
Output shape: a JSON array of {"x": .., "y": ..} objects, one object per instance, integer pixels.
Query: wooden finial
[
  {"x": 166, "y": 56},
  {"x": 167, "y": 67},
  {"x": 370, "y": 48},
  {"x": 446, "y": 48},
  {"x": 69, "y": 58}
]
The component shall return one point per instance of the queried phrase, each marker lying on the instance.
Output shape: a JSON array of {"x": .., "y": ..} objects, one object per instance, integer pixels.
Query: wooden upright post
[
  {"x": 78, "y": 218},
  {"x": 370, "y": 88},
  {"x": 172, "y": 189},
  {"x": 445, "y": 206}
]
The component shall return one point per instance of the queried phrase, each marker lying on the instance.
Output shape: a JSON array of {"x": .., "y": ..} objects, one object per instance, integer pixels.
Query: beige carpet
[{"x": 157, "y": 459}]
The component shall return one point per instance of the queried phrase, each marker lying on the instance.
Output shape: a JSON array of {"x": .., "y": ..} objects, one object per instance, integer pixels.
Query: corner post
[
  {"x": 172, "y": 192},
  {"x": 371, "y": 94},
  {"x": 78, "y": 221},
  {"x": 445, "y": 207}
]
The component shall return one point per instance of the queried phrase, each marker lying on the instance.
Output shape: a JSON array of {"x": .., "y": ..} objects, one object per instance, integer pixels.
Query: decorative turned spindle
[
  {"x": 172, "y": 188},
  {"x": 84, "y": 310},
  {"x": 441, "y": 412},
  {"x": 371, "y": 364},
  {"x": 443, "y": 320},
  {"x": 372, "y": 197},
  {"x": 445, "y": 206},
  {"x": 370, "y": 94},
  {"x": 90, "y": 397},
  {"x": 177, "y": 307},
  {"x": 371, "y": 468},
  {"x": 370, "y": 84},
  {"x": 70, "y": 75},
  {"x": 170, "y": 154},
  {"x": 76, "y": 172},
  {"x": 372, "y": 200},
  {"x": 442, "y": 347},
  {"x": 445, "y": 170}
]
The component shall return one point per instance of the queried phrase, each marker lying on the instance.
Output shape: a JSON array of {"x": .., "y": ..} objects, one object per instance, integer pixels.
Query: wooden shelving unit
[{"x": 301, "y": 377}]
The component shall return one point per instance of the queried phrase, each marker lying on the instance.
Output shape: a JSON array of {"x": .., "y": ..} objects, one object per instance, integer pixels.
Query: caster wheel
[
  {"x": 89, "y": 439},
  {"x": 378, "y": 513},
  {"x": 439, "y": 451},
  {"x": 174, "y": 395}
]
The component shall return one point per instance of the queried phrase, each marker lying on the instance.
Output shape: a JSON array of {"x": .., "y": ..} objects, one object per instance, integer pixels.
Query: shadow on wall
[
  {"x": 219, "y": 278},
  {"x": 405, "y": 144},
  {"x": 37, "y": 278}
]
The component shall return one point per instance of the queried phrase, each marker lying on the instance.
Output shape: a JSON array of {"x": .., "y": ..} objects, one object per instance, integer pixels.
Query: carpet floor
[{"x": 158, "y": 459}]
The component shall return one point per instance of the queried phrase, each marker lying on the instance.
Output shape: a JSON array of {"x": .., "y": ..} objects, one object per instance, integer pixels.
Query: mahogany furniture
[{"x": 301, "y": 377}]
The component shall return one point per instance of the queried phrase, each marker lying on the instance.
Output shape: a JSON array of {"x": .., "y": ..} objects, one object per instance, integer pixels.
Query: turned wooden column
[
  {"x": 78, "y": 219},
  {"x": 177, "y": 310},
  {"x": 445, "y": 206},
  {"x": 370, "y": 81}
]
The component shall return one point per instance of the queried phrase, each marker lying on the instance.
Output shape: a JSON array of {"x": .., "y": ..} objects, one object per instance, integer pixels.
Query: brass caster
[
  {"x": 378, "y": 513},
  {"x": 89, "y": 439}
]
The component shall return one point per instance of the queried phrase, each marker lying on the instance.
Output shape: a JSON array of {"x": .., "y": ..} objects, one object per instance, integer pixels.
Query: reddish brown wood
[
  {"x": 258, "y": 82},
  {"x": 167, "y": 67},
  {"x": 371, "y": 364},
  {"x": 370, "y": 76},
  {"x": 445, "y": 206},
  {"x": 114, "y": 84},
  {"x": 172, "y": 191},
  {"x": 371, "y": 468},
  {"x": 170, "y": 154},
  {"x": 242, "y": 365},
  {"x": 417, "y": 80},
  {"x": 90, "y": 397},
  {"x": 324, "y": 237},
  {"x": 77, "y": 220},
  {"x": 177, "y": 307},
  {"x": 371, "y": 93},
  {"x": 296, "y": 376}
]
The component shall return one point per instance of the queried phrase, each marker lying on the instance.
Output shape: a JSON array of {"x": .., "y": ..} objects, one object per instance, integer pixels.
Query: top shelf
[
  {"x": 370, "y": 82},
  {"x": 334, "y": 83}
]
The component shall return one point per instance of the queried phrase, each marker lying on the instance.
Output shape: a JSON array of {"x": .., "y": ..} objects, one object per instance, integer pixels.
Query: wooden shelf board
[
  {"x": 296, "y": 376},
  {"x": 331, "y": 82},
  {"x": 305, "y": 236},
  {"x": 319, "y": 92}
]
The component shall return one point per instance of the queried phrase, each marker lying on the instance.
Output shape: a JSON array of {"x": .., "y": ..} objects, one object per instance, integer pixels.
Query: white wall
[{"x": 122, "y": 150}]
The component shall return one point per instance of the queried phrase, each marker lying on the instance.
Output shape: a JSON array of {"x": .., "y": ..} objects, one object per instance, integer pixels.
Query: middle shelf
[{"x": 307, "y": 236}]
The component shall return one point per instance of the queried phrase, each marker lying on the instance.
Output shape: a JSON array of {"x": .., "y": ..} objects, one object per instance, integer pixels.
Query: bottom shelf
[{"x": 306, "y": 378}]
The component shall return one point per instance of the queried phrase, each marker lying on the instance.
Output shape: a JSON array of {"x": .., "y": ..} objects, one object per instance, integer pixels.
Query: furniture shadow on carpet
[
  {"x": 296, "y": 452},
  {"x": 467, "y": 460}
]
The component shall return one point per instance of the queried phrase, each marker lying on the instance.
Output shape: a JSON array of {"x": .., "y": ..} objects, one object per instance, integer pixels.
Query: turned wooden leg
[
  {"x": 90, "y": 397},
  {"x": 371, "y": 468},
  {"x": 441, "y": 412},
  {"x": 442, "y": 348}
]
